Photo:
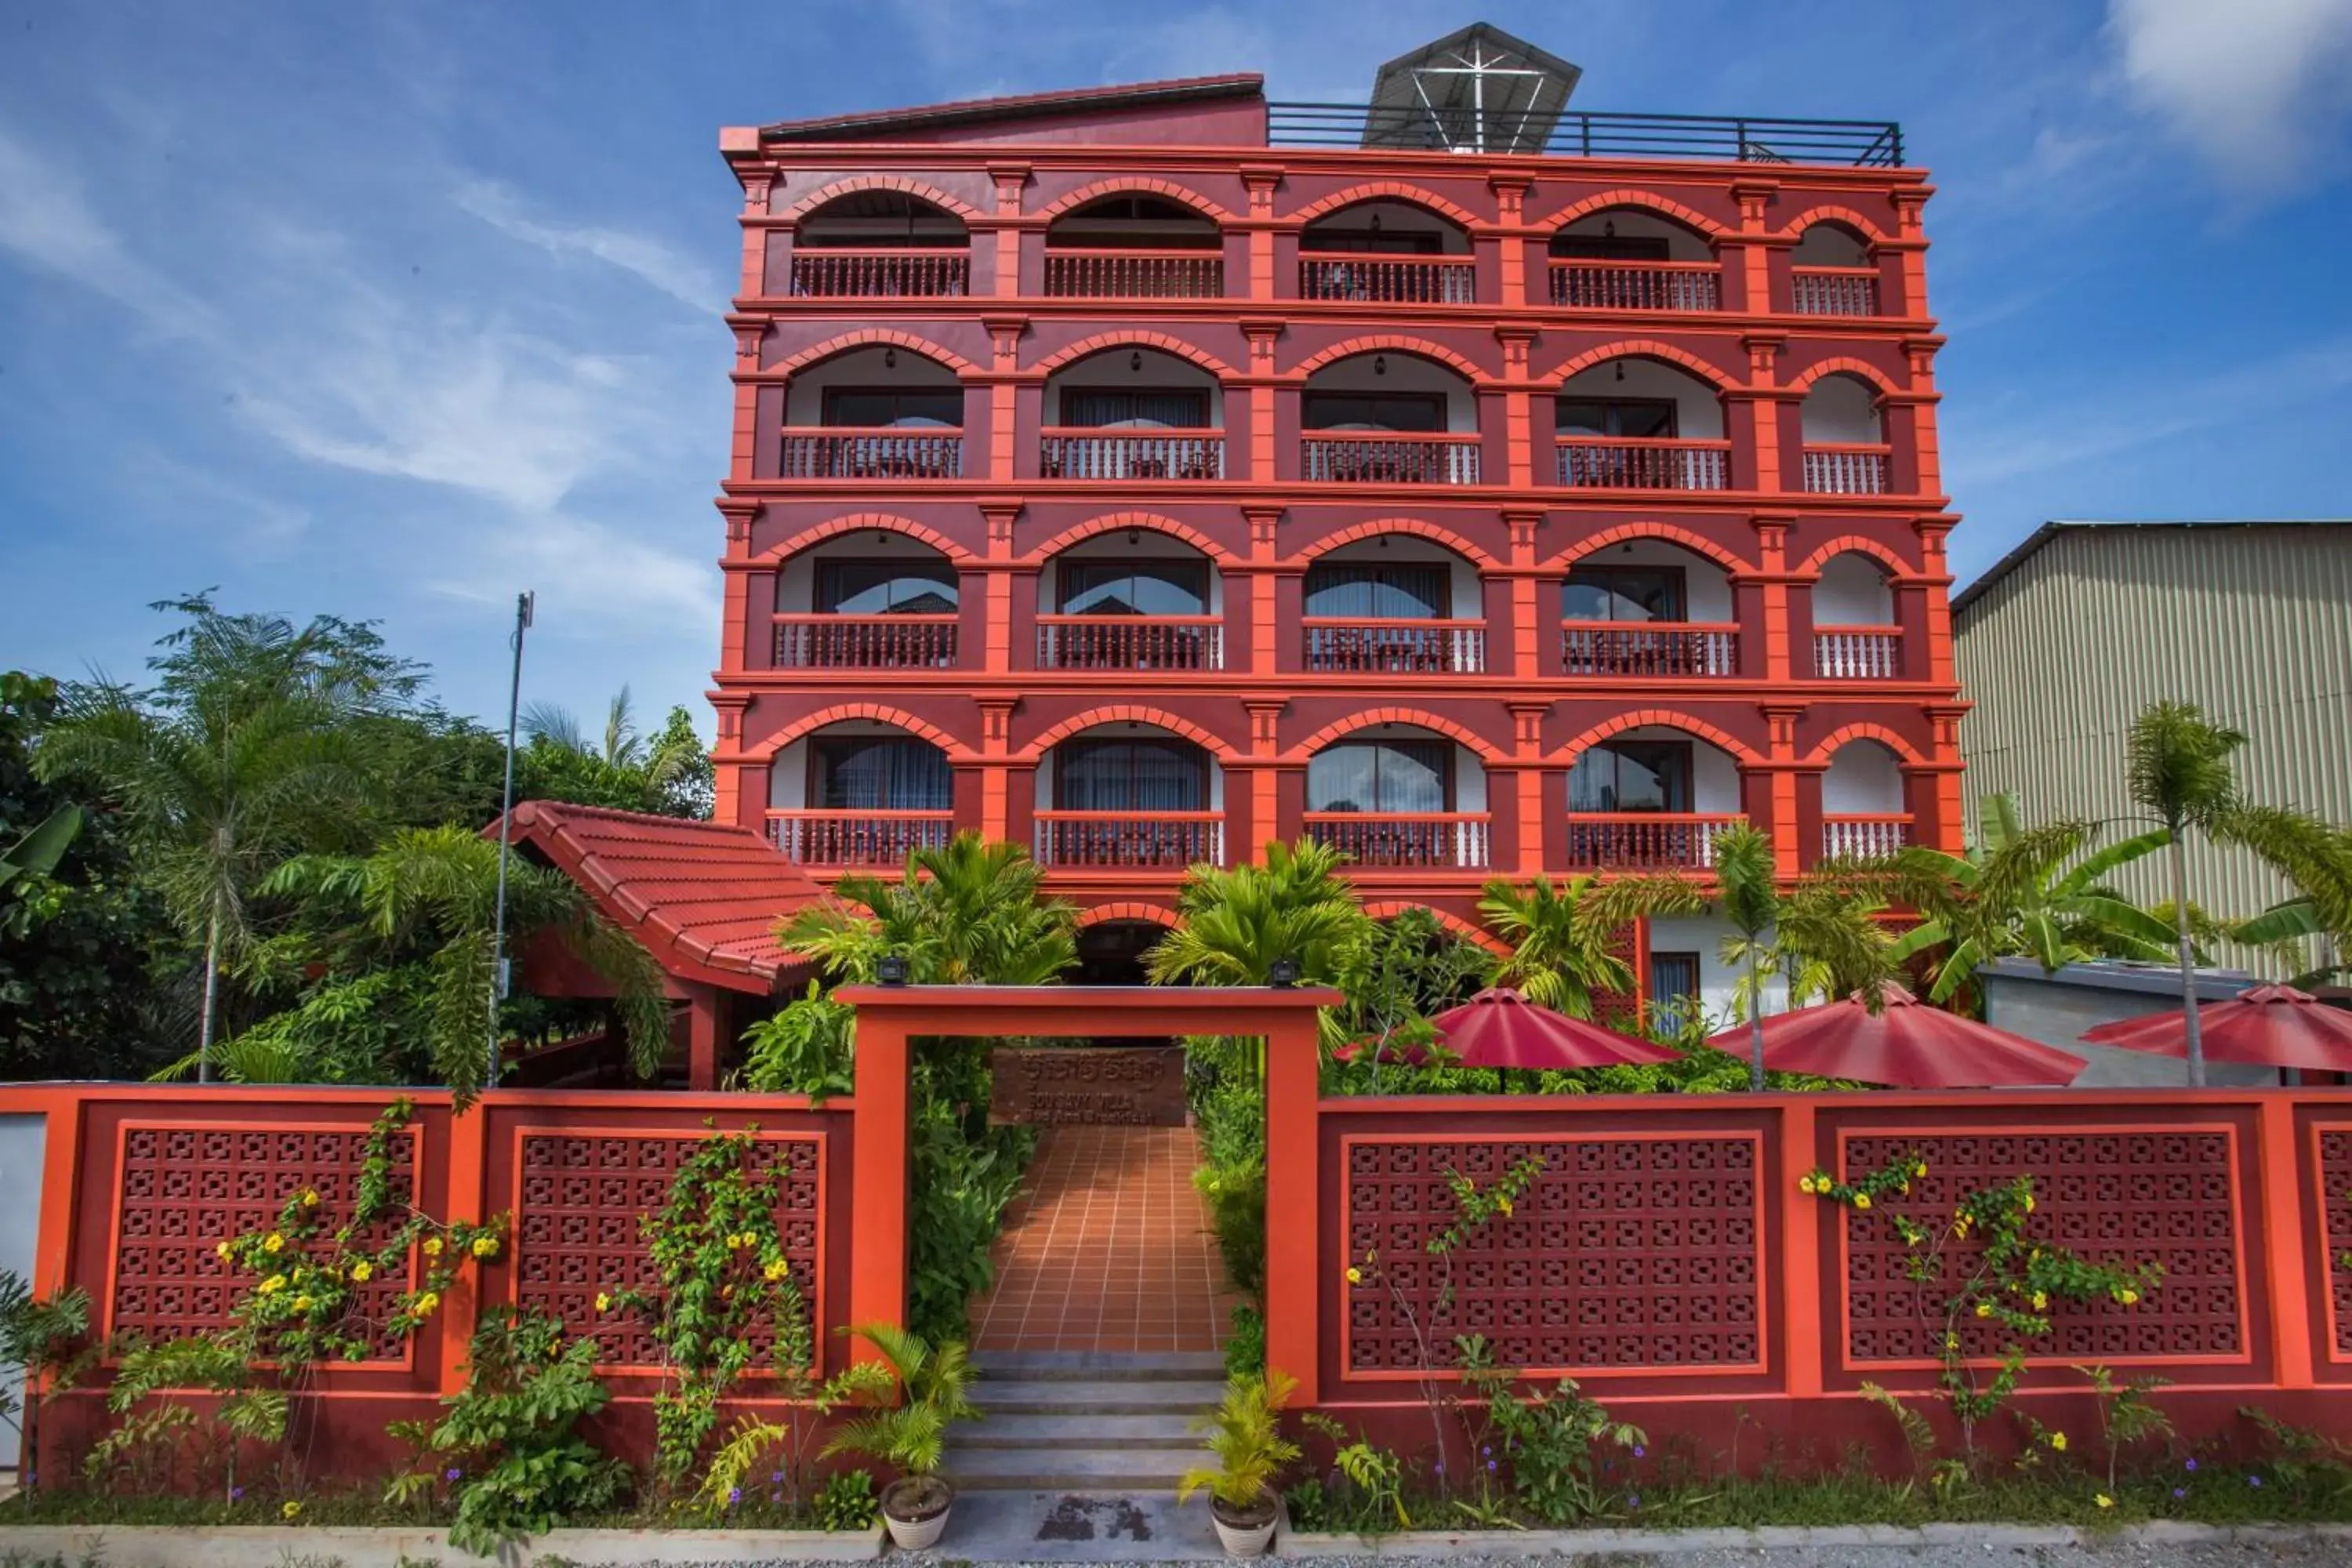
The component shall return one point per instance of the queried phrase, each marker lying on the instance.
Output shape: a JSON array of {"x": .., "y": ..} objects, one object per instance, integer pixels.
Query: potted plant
[
  {"x": 934, "y": 1382},
  {"x": 1245, "y": 1434}
]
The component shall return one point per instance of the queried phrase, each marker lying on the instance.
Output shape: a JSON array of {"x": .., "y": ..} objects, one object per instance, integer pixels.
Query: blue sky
[{"x": 391, "y": 310}]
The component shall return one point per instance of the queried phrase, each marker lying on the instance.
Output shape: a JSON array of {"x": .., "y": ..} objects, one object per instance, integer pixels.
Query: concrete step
[
  {"x": 1100, "y": 1366},
  {"x": 1053, "y": 1469},
  {"x": 1071, "y": 1397},
  {"x": 1083, "y": 1432}
]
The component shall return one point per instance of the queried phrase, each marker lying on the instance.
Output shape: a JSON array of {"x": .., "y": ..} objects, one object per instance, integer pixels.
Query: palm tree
[
  {"x": 429, "y": 895},
  {"x": 2179, "y": 766},
  {"x": 668, "y": 773},
  {"x": 248, "y": 752},
  {"x": 1239, "y": 920},
  {"x": 1824, "y": 936},
  {"x": 2014, "y": 892},
  {"x": 967, "y": 912},
  {"x": 1562, "y": 934},
  {"x": 2321, "y": 872}
]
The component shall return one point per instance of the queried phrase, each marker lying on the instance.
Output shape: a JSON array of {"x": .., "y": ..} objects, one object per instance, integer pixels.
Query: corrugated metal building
[{"x": 2063, "y": 641}]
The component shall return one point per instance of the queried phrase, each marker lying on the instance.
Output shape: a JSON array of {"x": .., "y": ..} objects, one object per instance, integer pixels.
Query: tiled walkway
[{"x": 1108, "y": 1249}]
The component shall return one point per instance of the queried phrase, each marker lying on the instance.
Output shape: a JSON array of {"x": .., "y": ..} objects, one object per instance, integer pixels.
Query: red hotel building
[{"x": 1144, "y": 473}]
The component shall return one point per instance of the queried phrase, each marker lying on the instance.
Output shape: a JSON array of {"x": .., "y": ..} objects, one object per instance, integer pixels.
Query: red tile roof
[
  {"x": 869, "y": 123},
  {"x": 703, "y": 898}
]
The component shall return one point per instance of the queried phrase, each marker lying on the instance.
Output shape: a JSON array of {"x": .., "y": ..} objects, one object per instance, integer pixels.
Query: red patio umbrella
[
  {"x": 1500, "y": 1028},
  {"x": 2269, "y": 1026},
  {"x": 1909, "y": 1045}
]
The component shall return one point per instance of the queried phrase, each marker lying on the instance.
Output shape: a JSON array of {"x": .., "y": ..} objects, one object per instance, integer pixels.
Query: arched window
[
  {"x": 865, "y": 600},
  {"x": 1634, "y": 423},
  {"x": 1133, "y": 413},
  {"x": 1648, "y": 607},
  {"x": 1386, "y": 251},
  {"x": 860, "y": 793},
  {"x": 1395, "y": 604},
  {"x": 1846, "y": 438},
  {"x": 1632, "y": 259},
  {"x": 881, "y": 244},
  {"x": 1389, "y": 418},
  {"x": 1133, "y": 246},
  {"x": 1831, "y": 273},
  {"x": 901, "y": 412}
]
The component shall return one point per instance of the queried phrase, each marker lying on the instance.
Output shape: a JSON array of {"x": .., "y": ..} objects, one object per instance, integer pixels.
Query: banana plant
[
  {"x": 2014, "y": 892},
  {"x": 37, "y": 852}
]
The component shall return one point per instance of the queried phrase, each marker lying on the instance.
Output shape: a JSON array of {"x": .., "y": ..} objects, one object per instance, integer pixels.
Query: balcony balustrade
[
  {"x": 1646, "y": 648},
  {"x": 1388, "y": 457},
  {"x": 880, "y": 274},
  {"x": 1637, "y": 285},
  {"x": 1834, "y": 290},
  {"x": 1135, "y": 274},
  {"x": 1449, "y": 840},
  {"x": 1857, "y": 653},
  {"x": 836, "y": 453},
  {"x": 858, "y": 837},
  {"x": 1850, "y": 835},
  {"x": 864, "y": 642},
  {"x": 1081, "y": 840},
  {"x": 1389, "y": 279},
  {"x": 1644, "y": 841},
  {"x": 1856, "y": 469},
  {"x": 1611, "y": 462},
  {"x": 1130, "y": 642},
  {"x": 1395, "y": 648},
  {"x": 1089, "y": 454}
]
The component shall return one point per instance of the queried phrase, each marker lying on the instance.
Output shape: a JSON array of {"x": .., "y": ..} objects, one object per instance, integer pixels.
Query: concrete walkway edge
[
  {"x": 244, "y": 1545},
  {"x": 1434, "y": 1544}
]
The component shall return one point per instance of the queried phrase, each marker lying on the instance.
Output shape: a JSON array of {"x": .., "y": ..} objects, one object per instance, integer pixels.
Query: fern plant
[
  {"x": 935, "y": 1392},
  {"x": 1244, "y": 1433}
]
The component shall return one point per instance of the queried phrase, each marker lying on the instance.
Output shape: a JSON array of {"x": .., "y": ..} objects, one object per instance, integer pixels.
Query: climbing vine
[{"x": 2012, "y": 1281}]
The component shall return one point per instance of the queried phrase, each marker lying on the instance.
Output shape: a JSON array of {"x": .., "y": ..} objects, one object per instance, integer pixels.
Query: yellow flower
[
  {"x": 1355, "y": 1277},
  {"x": 301, "y": 1303},
  {"x": 777, "y": 1270},
  {"x": 310, "y": 1197},
  {"x": 2104, "y": 1500},
  {"x": 291, "y": 1511},
  {"x": 1805, "y": 1184},
  {"x": 1951, "y": 1341},
  {"x": 1861, "y": 1200},
  {"x": 1920, "y": 1169},
  {"x": 486, "y": 1247},
  {"x": 2127, "y": 1296},
  {"x": 1905, "y": 1189},
  {"x": 2029, "y": 1203},
  {"x": 1505, "y": 1205},
  {"x": 736, "y": 1243},
  {"x": 1960, "y": 1229},
  {"x": 2040, "y": 1301},
  {"x": 222, "y": 1250},
  {"x": 603, "y": 1302},
  {"x": 2058, "y": 1442},
  {"x": 272, "y": 1285},
  {"x": 1984, "y": 1309},
  {"x": 273, "y": 1242},
  {"x": 360, "y": 1272},
  {"x": 432, "y": 1247},
  {"x": 427, "y": 1302}
]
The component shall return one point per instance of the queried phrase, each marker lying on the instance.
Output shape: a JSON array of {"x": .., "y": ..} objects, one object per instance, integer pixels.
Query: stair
[{"x": 1085, "y": 1421}]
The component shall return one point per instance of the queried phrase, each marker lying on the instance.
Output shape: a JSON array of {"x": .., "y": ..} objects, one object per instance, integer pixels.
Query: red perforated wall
[
  {"x": 2168, "y": 1197},
  {"x": 1625, "y": 1252}
]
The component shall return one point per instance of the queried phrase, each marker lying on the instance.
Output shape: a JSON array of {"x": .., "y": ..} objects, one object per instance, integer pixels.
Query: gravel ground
[{"x": 2294, "y": 1552}]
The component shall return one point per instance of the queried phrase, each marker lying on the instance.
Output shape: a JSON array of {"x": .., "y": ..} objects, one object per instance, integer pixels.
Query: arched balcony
[
  {"x": 1648, "y": 609},
  {"x": 1128, "y": 795},
  {"x": 867, "y": 601},
  {"x": 1856, "y": 636},
  {"x": 1652, "y": 798},
  {"x": 874, "y": 413},
  {"x": 1387, "y": 418},
  {"x": 1861, "y": 803},
  {"x": 1133, "y": 413},
  {"x": 877, "y": 245},
  {"x": 1400, "y": 797},
  {"x": 1846, "y": 452},
  {"x": 1387, "y": 252},
  {"x": 1632, "y": 259},
  {"x": 1395, "y": 604},
  {"x": 1135, "y": 246},
  {"x": 1831, "y": 273},
  {"x": 1112, "y": 953},
  {"x": 1640, "y": 423},
  {"x": 859, "y": 793},
  {"x": 1130, "y": 600}
]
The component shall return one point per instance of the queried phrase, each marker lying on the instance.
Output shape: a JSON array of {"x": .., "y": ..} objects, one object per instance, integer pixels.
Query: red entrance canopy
[
  {"x": 2270, "y": 1026},
  {"x": 1909, "y": 1045}
]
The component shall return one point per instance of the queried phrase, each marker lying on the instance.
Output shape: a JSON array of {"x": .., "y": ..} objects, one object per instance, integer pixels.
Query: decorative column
[
  {"x": 1920, "y": 447},
  {"x": 877, "y": 1175},
  {"x": 1004, "y": 382},
  {"x": 732, "y": 771},
  {"x": 1908, "y": 252},
  {"x": 1748, "y": 269},
  {"x": 1261, "y": 181},
  {"x": 1264, "y": 821},
  {"x": 1529, "y": 779},
  {"x": 1510, "y": 216},
  {"x": 1012, "y": 180},
  {"x": 1518, "y": 427},
  {"x": 757, "y": 229},
  {"x": 1765, "y": 469},
  {"x": 1935, "y": 787},
  {"x": 744, "y": 588},
  {"x": 998, "y": 809},
  {"x": 999, "y": 514},
  {"x": 1264, "y": 618},
  {"x": 1526, "y": 628},
  {"x": 1262, "y": 384},
  {"x": 1779, "y": 771},
  {"x": 1932, "y": 586},
  {"x": 742, "y": 459},
  {"x": 1771, "y": 582}
]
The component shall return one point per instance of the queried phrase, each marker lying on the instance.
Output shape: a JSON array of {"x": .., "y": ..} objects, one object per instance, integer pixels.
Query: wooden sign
[{"x": 1088, "y": 1085}]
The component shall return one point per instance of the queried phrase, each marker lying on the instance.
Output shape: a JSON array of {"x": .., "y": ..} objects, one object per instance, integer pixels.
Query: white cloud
[
  {"x": 2259, "y": 87},
  {"x": 49, "y": 221},
  {"x": 679, "y": 276},
  {"x": 590, "y": 577}
]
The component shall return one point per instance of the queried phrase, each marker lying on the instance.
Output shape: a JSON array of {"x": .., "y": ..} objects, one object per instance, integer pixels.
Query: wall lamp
[
  {"x": 892, "y": 970},
  {"x": 1283, "y": 972}
]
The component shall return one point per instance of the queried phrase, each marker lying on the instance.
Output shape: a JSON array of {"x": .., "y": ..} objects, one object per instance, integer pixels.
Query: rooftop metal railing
[{"x": 1743, "y": 139}]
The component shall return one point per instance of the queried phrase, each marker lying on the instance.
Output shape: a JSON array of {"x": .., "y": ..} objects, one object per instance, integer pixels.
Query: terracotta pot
[
  {"x": 1245, "y": 1532},
  {"x": 915, "y": 1509}
]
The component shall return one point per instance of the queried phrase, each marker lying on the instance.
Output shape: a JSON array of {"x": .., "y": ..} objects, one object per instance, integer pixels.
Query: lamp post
[{"x": 524, "y": 604}]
